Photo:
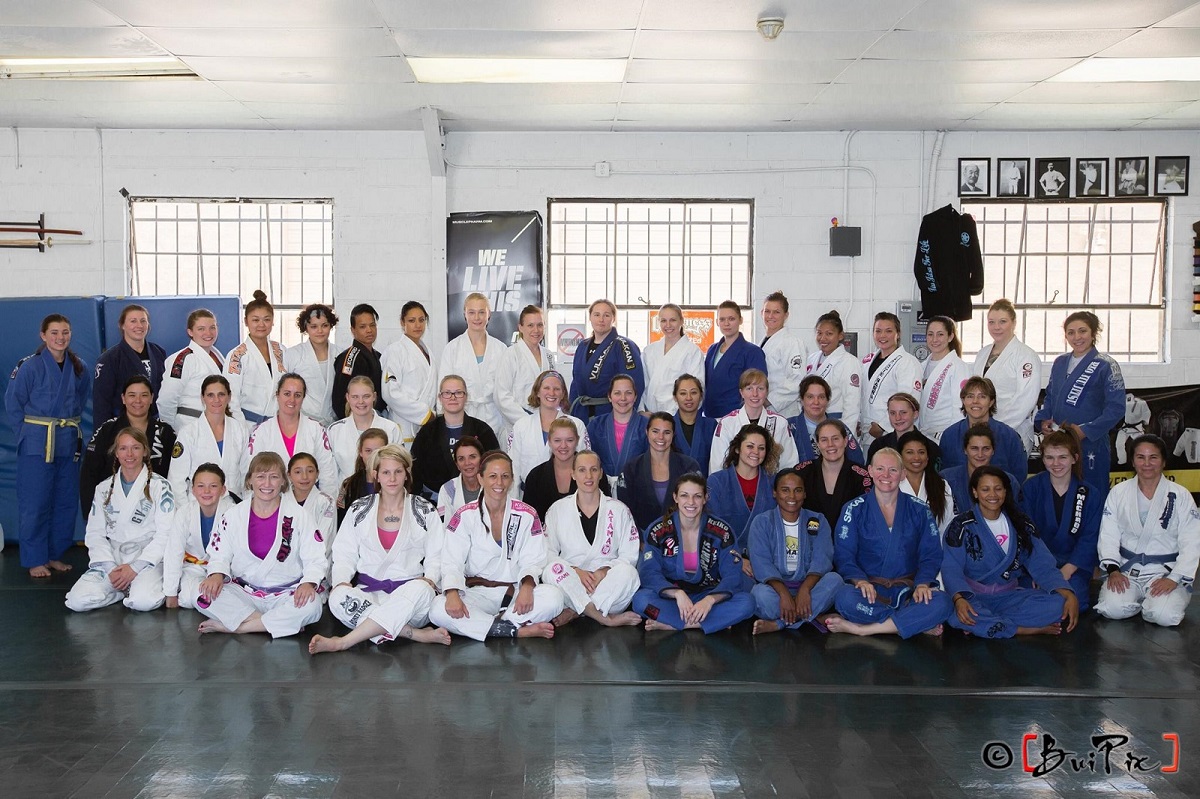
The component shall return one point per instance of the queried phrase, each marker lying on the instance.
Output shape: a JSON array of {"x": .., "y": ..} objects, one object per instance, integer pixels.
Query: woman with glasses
[{"x": 433, "y": 461}]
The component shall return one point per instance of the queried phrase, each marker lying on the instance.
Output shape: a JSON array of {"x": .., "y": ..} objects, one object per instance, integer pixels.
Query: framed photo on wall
[
  {"x": 1091, "y": 177},
  {"x": 1012, "y": 177},
  {"x": 973, "y": 174},
  {"x": 1050, "y": 179},
  {"x": 1133, "y": 177},
  {"x": 1171, "y": 175}
]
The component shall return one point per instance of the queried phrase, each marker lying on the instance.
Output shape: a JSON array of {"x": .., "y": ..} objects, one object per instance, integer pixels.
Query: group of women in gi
[{"x": 679, "y": 488}]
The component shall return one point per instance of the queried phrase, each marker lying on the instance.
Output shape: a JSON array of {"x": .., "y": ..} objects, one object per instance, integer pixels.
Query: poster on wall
[
  {"x": 699, "y": 326},
  {"x": 497, "y": 254}
]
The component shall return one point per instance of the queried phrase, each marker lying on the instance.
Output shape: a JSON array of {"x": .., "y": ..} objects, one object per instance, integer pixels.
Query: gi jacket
[
  {"x": 948, "y": 265},
  {"x": 661, "y": 566}
]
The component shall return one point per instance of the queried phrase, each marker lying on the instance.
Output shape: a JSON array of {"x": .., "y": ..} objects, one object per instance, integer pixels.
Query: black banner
[{"x": 499, "y": 255}]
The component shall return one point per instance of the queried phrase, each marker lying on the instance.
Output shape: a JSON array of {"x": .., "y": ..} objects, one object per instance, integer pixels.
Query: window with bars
[
  {"x": 233, "y": 246},
  {"x": 1050, "y": 259},
  {"x": 643, "y": 253}
]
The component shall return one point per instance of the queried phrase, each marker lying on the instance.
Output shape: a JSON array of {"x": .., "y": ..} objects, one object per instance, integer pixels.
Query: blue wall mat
[
  {"x": 168, "y": 319},
  {"x": 23, "y": 320}
]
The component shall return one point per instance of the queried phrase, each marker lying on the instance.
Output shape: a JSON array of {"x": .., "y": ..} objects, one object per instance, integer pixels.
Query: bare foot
[
  {"x": 626, "y": 619},
  {"x": 651, "y": 624},
  {"x": 935, "y": 631},
  {"x": 566, "y": 617},
  {"x": 837, "y": 624},
  {"x": 212, "y": 626},
  {"x": 39, "y": 572},
  {"x": 1049, "y": 629},
  {"x": 320, "y": 643},
  {"x": 431, "y": 635},
  {"x": 763, "y": 626},
  {"x": 542, "y": 630},
  {"x": 59, "y": 566}
]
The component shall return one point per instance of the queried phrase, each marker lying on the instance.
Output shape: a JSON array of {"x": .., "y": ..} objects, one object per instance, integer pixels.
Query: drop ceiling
[{"x": 693, "y": 65}]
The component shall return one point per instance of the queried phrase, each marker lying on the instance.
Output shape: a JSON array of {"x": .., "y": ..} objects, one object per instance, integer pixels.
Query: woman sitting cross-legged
[
  {"x": 593, "y": 544},
  {"x": 691, "y": 569},
  {"x": 988, "y": 549},
  {"x": 385, "y": 561}
]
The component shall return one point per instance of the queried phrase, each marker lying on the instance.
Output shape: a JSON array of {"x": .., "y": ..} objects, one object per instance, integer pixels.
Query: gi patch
[
  {"x": 1027, "y": 371},
  {"x": 177, "y": 366},
  {"x": 854, "y": 381},
  {"x": 99, "y": 366},
  {"x": 177, "y": 451},
  {"x": 647, "y": 556},
  {"x": 814, "y": 526}
]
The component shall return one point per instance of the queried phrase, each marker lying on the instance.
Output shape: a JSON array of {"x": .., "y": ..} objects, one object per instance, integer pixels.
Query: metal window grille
[
  {"x": 207, "y": 245},
  {"x": 643, "y": 253},
  {"x": 1050, "y": 259}
]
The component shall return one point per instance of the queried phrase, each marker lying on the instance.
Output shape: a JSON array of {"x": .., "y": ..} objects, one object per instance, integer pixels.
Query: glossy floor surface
[{"x": 116, "y": 704}]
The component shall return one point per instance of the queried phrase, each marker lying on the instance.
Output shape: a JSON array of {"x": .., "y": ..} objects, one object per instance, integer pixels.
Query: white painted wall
[{"x": 386, "y": 202}]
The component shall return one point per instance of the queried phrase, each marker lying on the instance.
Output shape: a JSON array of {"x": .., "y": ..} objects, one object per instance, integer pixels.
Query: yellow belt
[
  {"x": 50, "y": 423},
  {"x": 188, "y": 557}
]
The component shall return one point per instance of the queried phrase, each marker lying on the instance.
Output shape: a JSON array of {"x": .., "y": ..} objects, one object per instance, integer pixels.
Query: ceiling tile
[
  {"x": 1102, "y": 93},
  {"x": 1157, "y": 43},
  {"x": 303, "y": 70},
  {"x": 519, "y": 15},
  {"x": 871, "y": 70},
  {"x": 798, "y": 15},
  {"x": 893, "y": 95},
  {"x": 74, "y": 42},
  {"x": 276, "y": 42},
  {"x": 511, "y": 44},
  {"x": 646, "y": 70},
  {"x": 246, "y": 14},
  {"x": 442, "y": 95},
  {"x": 1035, "y": 15},
  {"x": 718, "y": 93},
  {"x": 401, "y": 94},
  {"x": 1082, "y": 115},
  {"x": 965, "y": 45},
  {"x": 56, "y": 13},
  {"x": 289, "y": 116},
  {"x": 129, "y": 91},
  {"x": 748, "y": 45}
]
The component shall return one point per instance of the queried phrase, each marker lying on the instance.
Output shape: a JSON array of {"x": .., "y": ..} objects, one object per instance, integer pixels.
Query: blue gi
[
  {"x": 975, "y": 566},
  {"x": 895, "y": 561},
  {"x": 604, "y": 443},
  {"x": 1009, "y": 454},
  {"x": 701, "y": 444},
  {"x": 590, "y": 377},
  {"x": 726, "y": 501},
  {"x": 807, "y": 447},
  {"x": 1093, "y": 397},
  {"x": 638, "y": 493},
  {"x": 44, "y": 402},
  {"x": 720, "y": 572},
  {"x": 117, "y": 364},
  {"x": 1073, "y": 538},
  {"x": 814, "y": 556},
  {"x": 960, "y": 486},
  {"x": 721, "y": 393}
]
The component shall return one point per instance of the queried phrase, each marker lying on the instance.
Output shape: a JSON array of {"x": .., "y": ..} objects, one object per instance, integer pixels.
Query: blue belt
[{"x": 1142, "y": 559}]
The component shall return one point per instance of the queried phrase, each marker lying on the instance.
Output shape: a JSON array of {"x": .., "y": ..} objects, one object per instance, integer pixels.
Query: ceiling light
[
  {"x": 770, "y": 27},
  {"x": 99, "y": 68},
  {"x": 1131, "y": 70},
  {"x": 518, "y": 70}
]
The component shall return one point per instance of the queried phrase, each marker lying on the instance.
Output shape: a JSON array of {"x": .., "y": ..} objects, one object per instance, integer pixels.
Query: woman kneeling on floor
[
  {"x": 494, "y": 552},
  {"x": 266, "y": 560},
  {"x": 386, "y": 561},
  {"x": 692, "y": 562}
]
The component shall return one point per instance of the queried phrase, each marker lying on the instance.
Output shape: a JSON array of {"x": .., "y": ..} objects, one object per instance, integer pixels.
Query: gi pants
[
  {"x": 895, "y": 603},
  {"x": 665, "y": 610},
  {"x": 485, "y": 603},
  {"x": 93, "y": 591},
  {"x": 280, "y": 616},
  {"x": 407, "y": 604},
  {"x": 613, "y": 595},
  {"x": 1166, "y": 610},
  {"x": 766, "y": 599},
  {"x": 47, "y": 507},
  {"x": 1001, "y": 614}
]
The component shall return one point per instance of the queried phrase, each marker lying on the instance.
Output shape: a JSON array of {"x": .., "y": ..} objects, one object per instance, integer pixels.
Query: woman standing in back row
[{"x": 1014, "y": 369}]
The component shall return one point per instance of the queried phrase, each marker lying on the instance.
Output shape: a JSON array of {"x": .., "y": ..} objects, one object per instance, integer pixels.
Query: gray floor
[{"x": 117, "y": 704}]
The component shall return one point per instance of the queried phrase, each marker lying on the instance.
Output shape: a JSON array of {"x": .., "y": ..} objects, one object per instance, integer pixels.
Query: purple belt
[
  {"x": 368, "y": 583},
  {"x": 991, "y": 589}
]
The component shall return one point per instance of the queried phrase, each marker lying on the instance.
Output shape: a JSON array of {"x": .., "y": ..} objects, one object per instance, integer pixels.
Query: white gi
[
  {"x": 527, "y": 447},
  {"x": 266, "y": 586},
  {"x": 323, "y": 509},
  {"x": 343, "y": 440},
  {"x": 941, "y": 405},
  {"x": 1137, "y": 416},
  {"x": 923, "y": 495},
  {"x": 180, "y": 392},
  {"x": 1188, "y": 445},
  {"x": 840, "y": 370},
  {"x": 410, "y": 385},
  {"x": 615, "y": 548},
  {"x": 900, "y": 371},
  {"x": 729, "y": 425},
  {"x": 126, "y": 529},
  {"x": 787, "y": 365},
  {"x": 663, "y": 368},
  {"x": 357, "y": 552},
  {"x": 185, "y": 561},
  {"x": 195, "y": 445},
  {"x": 459, "y": 359},
  {"x": 1017, "y": 376},
  {"x": 452, "y": 496},
  {"x": 252, "y": 380},
  {"x": 318, "y": 379},
  {"x": 515, "y": 376},
  {"x": 1166, "y": 545},
  {"x": 470, "y": 551},
  {"x": 310, "y": 438}
]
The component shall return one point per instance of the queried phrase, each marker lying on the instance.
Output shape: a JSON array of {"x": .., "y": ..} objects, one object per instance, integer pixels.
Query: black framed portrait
[
  {"x": 1091, "y": 177},
  {"x": 1133, "y": 177},
  {"x": 1012, "y": 177},
  {"x": 973, "y": 174},
  {"x": 1171, "y": 175},
  {"x": 1050, "y": 181}
]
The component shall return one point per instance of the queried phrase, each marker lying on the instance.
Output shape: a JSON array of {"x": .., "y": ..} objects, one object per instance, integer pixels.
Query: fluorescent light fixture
[
  {"x": 1131, "y": 70},
  {"x": 98, "y": 68},
  {"x": 518, "y": 70}
]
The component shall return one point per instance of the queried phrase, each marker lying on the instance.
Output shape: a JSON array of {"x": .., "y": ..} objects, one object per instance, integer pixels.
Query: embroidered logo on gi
[
  {"x": 973, "y": 546},
  {"x": 1027, "y": 371},
  {"x": 1168, "y": 512},
  {"x": 354, "y": 608},
  {"x": 995, "y": 629},
  {"x": 234, "y": 362},
  {"x": 854, "y": 381},
  {"x": 177, "y": 451},
  {"x": 285, "y": 548},
  {"x": 648, "y": 555},
  {"x": 317, "y": 535},
  {"x": 965, "y": 239},
  {"x": 99, "y": 366},
  {"x": 177, "y": 366},
  {"x": 814, "y": 526}
]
